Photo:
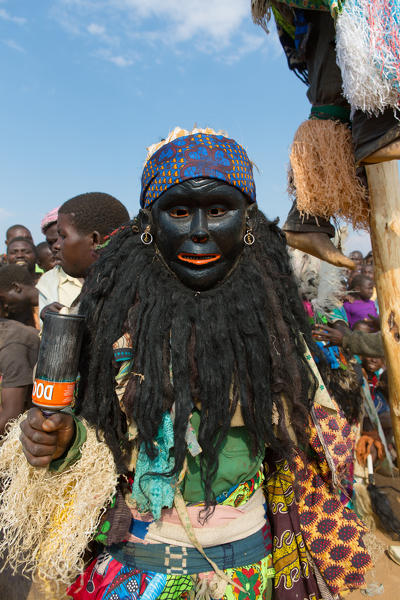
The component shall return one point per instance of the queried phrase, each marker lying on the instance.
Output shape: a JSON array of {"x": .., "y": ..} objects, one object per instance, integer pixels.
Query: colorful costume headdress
[{"x": 194, "y": 154}]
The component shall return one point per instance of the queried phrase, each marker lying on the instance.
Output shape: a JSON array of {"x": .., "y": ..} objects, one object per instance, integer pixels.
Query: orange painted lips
[{"x": 198, "y": 259}]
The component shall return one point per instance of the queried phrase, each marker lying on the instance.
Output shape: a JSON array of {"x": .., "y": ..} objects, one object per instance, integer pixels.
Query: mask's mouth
[{"x": 198, "y": 259}]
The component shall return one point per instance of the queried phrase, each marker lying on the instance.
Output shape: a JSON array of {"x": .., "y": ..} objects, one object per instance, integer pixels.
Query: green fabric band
[
  {"x": 66, "y": 460},
  {"x": 331, "y": 112}
]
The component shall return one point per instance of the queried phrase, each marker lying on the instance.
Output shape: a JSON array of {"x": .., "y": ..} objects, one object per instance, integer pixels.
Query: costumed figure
[
  {"x": 204, "y": 452},
  {"x": 348, "y": 55}
]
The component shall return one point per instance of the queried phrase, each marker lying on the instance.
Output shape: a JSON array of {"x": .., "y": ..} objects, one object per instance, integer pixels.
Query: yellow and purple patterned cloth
[{"x": 193, "y": 156}]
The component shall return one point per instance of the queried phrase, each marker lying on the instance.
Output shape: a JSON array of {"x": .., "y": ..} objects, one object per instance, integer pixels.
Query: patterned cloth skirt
[
  {"x": 125, "y": 571},
  {"x": 108, "y": 579}
]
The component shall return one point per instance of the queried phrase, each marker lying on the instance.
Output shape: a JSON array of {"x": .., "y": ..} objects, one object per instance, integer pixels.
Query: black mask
[{"x": 199, "y": 226}]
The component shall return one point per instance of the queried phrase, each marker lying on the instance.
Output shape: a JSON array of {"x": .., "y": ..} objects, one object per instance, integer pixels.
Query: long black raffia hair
[{"x": 240, "y": 340}]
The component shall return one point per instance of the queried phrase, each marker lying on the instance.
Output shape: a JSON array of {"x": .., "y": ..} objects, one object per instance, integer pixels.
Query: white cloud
[
  {"x": 95, "y": 29},
  {"x": 5, "y": 15},
  {"x": 246, "y": 45},
  {"x": 99, "y": 32},
  {"x": 218, "y": 27},
  {"x": 13, "y": 45},
  {"x": 120, "y": 61},
  {"x": 183, "y": 20},
  {"x": 117, "y": 60}
]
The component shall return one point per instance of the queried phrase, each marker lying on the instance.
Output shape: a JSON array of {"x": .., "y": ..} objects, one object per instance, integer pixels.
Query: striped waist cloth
[{"x": 180, "y": 560}]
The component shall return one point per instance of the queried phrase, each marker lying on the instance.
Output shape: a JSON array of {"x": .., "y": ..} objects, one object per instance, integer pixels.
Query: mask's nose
[{"x": 199, "y": 231}]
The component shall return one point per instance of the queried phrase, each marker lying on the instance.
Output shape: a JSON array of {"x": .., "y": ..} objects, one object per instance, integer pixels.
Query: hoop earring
[
  {"x": 249, "y": 238},
  {"x": 146, "y": 238}
]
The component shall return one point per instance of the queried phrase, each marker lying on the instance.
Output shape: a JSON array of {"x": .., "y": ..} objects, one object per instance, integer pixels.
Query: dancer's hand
[
  {"x": 45, "y": 438},
  {"x": 324, "y": 333}
]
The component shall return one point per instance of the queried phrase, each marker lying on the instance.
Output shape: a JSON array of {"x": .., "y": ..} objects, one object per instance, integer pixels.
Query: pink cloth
[
  {"x": 49, "y": 219},
  {"x": 221, "y": 516},
  {"x": 308, "y": 308}
]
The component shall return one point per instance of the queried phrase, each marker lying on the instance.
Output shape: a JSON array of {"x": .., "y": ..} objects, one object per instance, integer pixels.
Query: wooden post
[{"x": 384, "y": 190}]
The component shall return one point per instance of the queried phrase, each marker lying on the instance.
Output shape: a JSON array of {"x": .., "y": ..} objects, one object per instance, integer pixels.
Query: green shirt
[{"x": 236, "y": 463}]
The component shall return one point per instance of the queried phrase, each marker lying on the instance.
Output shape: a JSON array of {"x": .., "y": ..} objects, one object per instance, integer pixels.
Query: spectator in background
[
  {"x": 362, "y": 307},
  {"x": 55, "y": 287},
  {"x": 19, "y": 346},
  {"x": 368, "y": 271},
  {"x": 13, "y": 232},
  {"x": 369, "y": 258},
  {"x": 45, "y": 257},
  {"x": 357, "y": 257},
  {"x": 17, "y": 231},
  {"x": 364, "y": 326},
  {"x": 49, "y": 230},
  {"x": 376, "y": 375},
  {"x": 21, "y": 251},
  {"x": 18, "y": 295},
  {"x": 83, "y": 224}
]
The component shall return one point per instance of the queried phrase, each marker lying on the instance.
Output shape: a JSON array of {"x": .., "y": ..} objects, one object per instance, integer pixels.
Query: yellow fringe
[
  {"x": 46, "y": 518},
  {"x": 324, "y": 173}
]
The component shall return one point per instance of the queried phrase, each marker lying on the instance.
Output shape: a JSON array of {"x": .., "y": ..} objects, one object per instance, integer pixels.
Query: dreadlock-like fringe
[
  {"x": 241, "y": 335},
  {"x": 324, "y": 173},
  {"x": 46, "y": 518}
]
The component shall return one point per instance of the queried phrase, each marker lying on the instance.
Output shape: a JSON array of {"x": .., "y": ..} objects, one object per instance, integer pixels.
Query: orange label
[{"x": 53, "y": 393}]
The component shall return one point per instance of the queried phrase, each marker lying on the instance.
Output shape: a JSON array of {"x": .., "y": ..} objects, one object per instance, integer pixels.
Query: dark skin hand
[
  {"x": 43, "y": 438},
  {"x": 375, "y": 322},
  {"x": 324, "y": 333},
  {"x": 53, "y": 307}
]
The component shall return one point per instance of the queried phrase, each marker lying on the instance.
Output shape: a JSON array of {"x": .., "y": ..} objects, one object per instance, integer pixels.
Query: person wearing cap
[
  {"x": 55, "y": 286},
  {"x": 199, "y": 408}
]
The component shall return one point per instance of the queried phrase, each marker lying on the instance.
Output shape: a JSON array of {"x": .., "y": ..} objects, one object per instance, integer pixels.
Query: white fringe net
[
  {"x": 368, "y": 53},
  {"x": 47, "y": 518}
]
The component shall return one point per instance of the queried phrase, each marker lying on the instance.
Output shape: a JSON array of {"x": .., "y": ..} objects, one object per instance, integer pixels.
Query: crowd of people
[
  {"x": 221, "y": 406},
  {"x": 46, "y": 276},
  {"x": 354, "y": 327}
]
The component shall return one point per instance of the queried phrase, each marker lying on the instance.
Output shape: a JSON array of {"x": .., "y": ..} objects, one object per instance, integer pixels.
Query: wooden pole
[{"x": 384, "y": 190}]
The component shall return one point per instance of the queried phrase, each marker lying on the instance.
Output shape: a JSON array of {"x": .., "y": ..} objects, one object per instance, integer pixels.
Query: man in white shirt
[{"x": 55, "y": 286}]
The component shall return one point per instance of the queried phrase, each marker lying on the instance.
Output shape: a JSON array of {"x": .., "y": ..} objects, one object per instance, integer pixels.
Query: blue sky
[{"x": 87, "y": 85}]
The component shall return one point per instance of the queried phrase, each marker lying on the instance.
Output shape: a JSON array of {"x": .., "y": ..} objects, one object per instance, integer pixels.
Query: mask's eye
[
  {"x": 216, "y": 211},
  {"x": 178, "y": 213}
]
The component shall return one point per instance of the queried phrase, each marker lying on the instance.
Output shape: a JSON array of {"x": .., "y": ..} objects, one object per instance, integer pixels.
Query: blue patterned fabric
[
  {"x": 193, "y": 156},
  {"x": 151, "y": 491}
]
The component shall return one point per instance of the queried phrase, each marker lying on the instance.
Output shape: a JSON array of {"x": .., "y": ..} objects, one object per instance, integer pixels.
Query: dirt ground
[{"x": 386, "y": 571}]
